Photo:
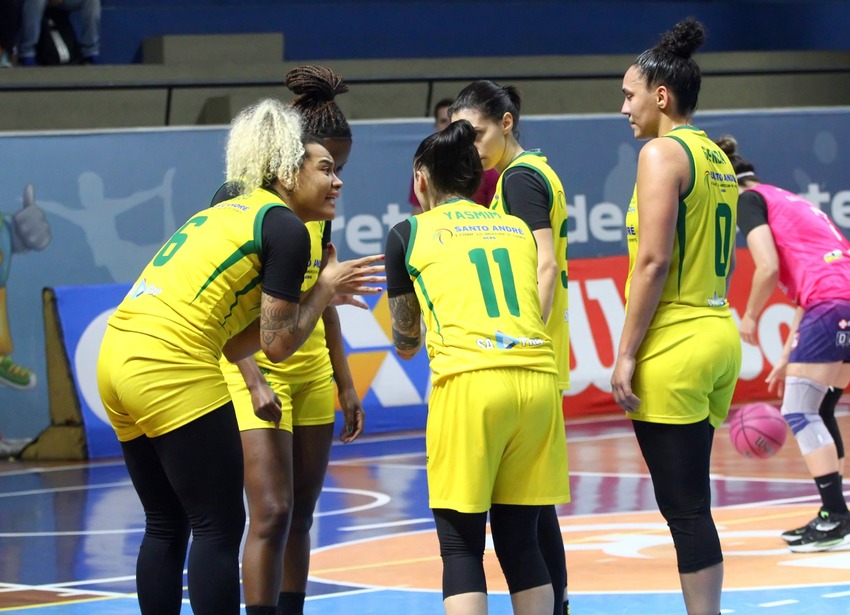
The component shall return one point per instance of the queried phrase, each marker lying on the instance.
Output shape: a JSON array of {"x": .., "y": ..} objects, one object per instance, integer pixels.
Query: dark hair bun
[
  {"x": 461, "y": 132},
  {"x": 317, "y": 82},
  {"x": 684, "y": 39},
  {"x": 728, "y": 144}
]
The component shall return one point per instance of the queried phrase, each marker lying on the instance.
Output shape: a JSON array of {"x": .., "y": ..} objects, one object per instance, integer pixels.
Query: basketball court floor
[{"x": 69, "y": 534}]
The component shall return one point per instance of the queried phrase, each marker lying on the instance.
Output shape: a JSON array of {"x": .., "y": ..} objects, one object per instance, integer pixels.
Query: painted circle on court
[{"x": 625, "y": 552}]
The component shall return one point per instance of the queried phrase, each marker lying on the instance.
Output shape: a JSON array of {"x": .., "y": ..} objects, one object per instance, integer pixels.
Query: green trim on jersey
[
  {"x": 414, "y": 226},
  {"x": 682, "y": 236},
  {"x": 692, "y": 163}
]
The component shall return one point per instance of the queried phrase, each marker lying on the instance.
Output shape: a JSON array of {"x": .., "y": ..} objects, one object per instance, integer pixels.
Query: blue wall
[{"x": 363, "y": 29}]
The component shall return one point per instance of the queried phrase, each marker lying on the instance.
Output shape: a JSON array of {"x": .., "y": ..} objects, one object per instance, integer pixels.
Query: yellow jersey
[
  {"x": 198, "y": 298},
  {"x": 474, "y": 272},
  {"x": 697, "y": 283},
  {"x": 558, "y": 324},
  {"x": 311, "y": 361}
]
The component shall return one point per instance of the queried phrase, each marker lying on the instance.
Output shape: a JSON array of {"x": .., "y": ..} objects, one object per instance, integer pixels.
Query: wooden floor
[{"x": 69, "y": 534}]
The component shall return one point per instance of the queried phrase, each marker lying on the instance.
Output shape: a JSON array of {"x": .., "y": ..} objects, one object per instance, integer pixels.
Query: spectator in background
[
  {"x": 485, "y": 191},
  {"x": 10, "y": 22},
  {"x": 32, "y": 19}
]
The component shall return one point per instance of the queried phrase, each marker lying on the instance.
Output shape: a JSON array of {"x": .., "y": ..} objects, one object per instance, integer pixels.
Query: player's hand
[
  {"x": 748, "y": 329},
  {"x": 267, "y": 406},
  {"x": 353, "y": 413},
  {"x": 353, "y": 277},
  {"x": 621, "y": 384},
  {"x": 30, "y": 230},
  {"x": 776, "y": 377}
]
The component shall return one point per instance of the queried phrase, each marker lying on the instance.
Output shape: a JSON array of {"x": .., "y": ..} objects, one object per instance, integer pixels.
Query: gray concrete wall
[{"x": 180, "y": 84}]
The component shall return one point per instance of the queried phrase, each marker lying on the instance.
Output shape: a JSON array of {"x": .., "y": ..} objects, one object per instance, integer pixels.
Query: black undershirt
[
  {"x": 285, "y": 247},
  {"x": 752, "y": 211}
]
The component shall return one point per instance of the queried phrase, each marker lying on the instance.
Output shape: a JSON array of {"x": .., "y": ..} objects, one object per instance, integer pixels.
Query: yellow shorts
[
  {"x": 688, "y": 371},
  {"x": 150, "y": 387},
  {"x": 302, "y": 403},
  {"x": 496, "y": 436}
]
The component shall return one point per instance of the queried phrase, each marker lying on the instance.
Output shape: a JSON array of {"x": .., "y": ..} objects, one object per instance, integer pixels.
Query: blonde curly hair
[{"x": 263, "y": 145}]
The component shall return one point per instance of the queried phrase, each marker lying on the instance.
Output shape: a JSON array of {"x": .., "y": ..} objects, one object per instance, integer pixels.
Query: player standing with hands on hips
[{"x": 680, "y": 354}]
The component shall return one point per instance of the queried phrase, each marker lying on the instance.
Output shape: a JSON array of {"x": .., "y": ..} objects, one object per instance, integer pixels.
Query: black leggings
[
  {"x": 678, "y": 458},
  {"x": 462, "y": 539},
  {"x": 827, "y": 414},
  {"x": 190, "y": 478}
]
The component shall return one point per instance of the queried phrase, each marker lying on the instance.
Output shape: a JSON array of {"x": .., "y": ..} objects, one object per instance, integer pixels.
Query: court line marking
[
  {"x": 770, "y": 605},
  {"x": 83, "y": 465},
  {"x": 378, "y": 526},
  {"x": 8, "y": 494}
]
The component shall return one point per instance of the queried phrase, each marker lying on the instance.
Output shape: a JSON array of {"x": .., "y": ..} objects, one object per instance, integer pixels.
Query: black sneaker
[
  {"x": 830, "y": 531},
  {"x": 797, "y": 533}
]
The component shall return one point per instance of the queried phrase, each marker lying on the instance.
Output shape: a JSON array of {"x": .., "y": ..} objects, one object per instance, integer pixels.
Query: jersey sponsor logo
[
  {"x": 506, "y": 342},
  {"x": 443, "y": 235},
  {"x": 232, "y": 205},
  {"x": 843, "y": 323},
  {"x": 716, "y": 301},
  {"x": 720, "y": 177},
  {"x": 833, "y": 256},
  {"x": 143, "y": 288}
]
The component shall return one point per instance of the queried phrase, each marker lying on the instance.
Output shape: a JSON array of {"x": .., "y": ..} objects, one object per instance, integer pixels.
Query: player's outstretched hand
[{"x": 354, "y": 277}]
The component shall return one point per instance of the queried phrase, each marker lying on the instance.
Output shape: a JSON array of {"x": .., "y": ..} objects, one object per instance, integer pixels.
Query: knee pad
[{"x": 800, "y": 406}]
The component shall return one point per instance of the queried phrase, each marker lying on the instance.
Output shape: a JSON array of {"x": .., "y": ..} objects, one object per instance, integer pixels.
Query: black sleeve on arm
[
  {"x": 398, "y": 280},
  {"x": 526, "y": 195},
  {"x": 326, "y": 235},
  {"x": 752, "y": 211},
  {"x": 286, "y": 254}
]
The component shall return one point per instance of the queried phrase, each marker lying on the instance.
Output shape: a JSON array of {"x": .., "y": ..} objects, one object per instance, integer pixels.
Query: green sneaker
[{"x": 14, "y": 375}]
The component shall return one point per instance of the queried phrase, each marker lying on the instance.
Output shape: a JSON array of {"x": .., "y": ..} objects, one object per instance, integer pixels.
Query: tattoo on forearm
[
  {"x": 404, "y": 342},
  {"x": 285, "y": 319},
  {"x": 405, "y": 313}
]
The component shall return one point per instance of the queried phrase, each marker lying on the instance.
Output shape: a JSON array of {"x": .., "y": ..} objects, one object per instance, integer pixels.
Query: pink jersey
[{"x": 814, "y": 257}]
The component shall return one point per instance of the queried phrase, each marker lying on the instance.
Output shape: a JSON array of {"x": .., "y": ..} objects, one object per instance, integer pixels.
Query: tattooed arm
[
  {"x": 285, "y": 325},
  {"x": 282, "y": 326},
  {"x": 406, "y": 316}
]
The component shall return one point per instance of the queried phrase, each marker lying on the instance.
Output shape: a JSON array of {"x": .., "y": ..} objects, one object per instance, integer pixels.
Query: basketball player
[
  {"x": 495, "y": 434},
  {"x": 529, "y": 189},
  {"x": 285, "y": 462},
  {"x": 680, "y": 353},
  {"x": 227, "y": 282},
  {"x": 794, "y": 244}
]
